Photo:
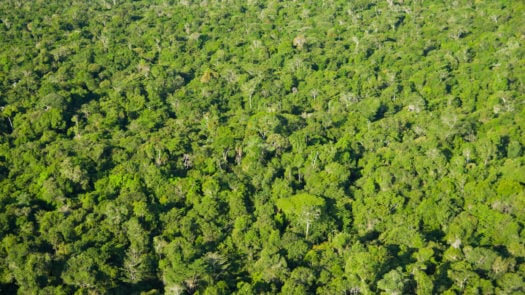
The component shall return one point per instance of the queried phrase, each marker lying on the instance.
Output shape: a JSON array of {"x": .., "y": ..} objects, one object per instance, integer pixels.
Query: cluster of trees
[{"x": 248, "y": 147}]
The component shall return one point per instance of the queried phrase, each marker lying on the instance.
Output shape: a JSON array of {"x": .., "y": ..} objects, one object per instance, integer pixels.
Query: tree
[
  {"x": 82, "y": 270},
  {"x": 304, "y": 208},
  {"x": 366, "y": 263},
  {"x": 393, "y": 282},
  {"x": 138, "y": 261}
]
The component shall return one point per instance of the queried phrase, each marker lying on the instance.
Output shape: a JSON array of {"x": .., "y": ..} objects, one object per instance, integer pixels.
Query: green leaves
[
  {"x": 300, "y": 202},
  {"x": 393, "y": 282},
  {"x": 89, "y": 270},
  {"x": 215, "y": 147},
  {"x": 366, "y": 263}
]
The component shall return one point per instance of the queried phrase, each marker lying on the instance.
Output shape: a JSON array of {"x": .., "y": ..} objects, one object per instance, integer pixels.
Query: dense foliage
[{"x": 248, "y": 147}]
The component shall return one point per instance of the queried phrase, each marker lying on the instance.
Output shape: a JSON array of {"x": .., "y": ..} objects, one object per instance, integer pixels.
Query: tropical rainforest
[{"x": 262, "y": 147}]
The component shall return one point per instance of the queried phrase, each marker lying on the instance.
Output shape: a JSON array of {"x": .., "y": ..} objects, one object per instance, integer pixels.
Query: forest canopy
[{"x": 262, "y": 147}]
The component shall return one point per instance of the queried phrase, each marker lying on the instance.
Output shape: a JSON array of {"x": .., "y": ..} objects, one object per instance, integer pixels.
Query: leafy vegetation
[{"x": 248, "y": 147}]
